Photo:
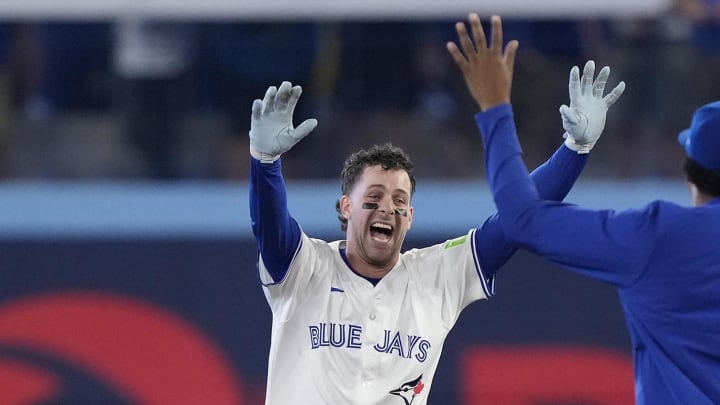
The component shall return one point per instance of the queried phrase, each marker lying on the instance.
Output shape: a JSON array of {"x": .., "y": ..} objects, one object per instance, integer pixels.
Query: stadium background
[{"x": 125, "y": 282}]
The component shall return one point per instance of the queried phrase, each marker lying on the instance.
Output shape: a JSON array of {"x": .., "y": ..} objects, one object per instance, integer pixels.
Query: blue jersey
[{"x": 663, "y": 258}]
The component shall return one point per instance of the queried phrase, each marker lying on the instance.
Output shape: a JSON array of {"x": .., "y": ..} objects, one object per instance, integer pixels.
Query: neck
[
  {"x": 699, "y": 198},
  {"x": 702, "y": 199},
  {"x": 366, "y": 269}
]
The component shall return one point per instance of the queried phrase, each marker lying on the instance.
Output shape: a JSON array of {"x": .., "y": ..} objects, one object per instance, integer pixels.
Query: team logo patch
[{"x": 409, "y": 390}]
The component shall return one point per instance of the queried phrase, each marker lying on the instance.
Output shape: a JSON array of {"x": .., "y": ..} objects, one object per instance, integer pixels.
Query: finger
[
  {"x": 294, "y": 96},
  {"x": 305, "y": 128},
  {"x": 599, "y": 85},
  {"x": 567, "y": 114},
  {"x": 614, "y": 95},
  {"x": 457, "y": 56},
  {"x": 257, "y": 107},
  {"x": 283, "y": 96},
  {"x": 510, "y": 52},
  {"x": 478, "y": 32},
  {"x": 497, "y": 34},
  {"x": 466, "y": 43},
  {"x": 269, "y": 100},
  {"x": 574, "y": 84},
  {"x": 586, "y": 81}
]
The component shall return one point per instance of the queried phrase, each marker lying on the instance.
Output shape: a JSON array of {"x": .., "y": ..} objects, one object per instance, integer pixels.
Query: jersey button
[{"x": 372, "y": 317}]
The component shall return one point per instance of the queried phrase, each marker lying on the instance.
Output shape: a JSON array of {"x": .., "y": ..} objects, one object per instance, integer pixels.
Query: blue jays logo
[{"x": 409, "y": 390}]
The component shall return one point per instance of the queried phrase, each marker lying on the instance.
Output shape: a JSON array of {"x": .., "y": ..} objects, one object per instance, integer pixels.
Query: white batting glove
[
  {"x": 271, "y": 128},
  {"x": 584, "y": 120}
]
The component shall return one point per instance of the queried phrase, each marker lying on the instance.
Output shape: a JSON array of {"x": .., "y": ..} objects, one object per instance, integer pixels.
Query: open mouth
[{"x": 381, "y": 232}]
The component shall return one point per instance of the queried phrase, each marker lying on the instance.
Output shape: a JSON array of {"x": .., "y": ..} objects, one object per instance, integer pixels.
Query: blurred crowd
[{"x": 138, "y": 99}]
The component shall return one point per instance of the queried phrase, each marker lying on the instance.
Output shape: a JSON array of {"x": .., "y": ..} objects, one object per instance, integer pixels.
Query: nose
[
  {"x": 387, "y": 208},
  {"x": 394, "y": 210}
]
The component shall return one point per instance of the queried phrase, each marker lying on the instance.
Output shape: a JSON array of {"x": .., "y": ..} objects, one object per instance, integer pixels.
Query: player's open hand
[
  {"x": 488, "y": 69},
  {"x": 271, "y": 128},
  {"x": 584, "y": 119}
]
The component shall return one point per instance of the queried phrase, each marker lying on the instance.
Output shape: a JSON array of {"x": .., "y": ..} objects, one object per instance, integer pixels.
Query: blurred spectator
[
  {"x": 700, "y": 61},
  {"x": 75, "y": 67},
  {"x": 664, "y": 58},
  {"x": 185, "y": 91},
  {"x": 434, "y": 73},
  {"x": 238, "y": 61},
  {"x": 549, "y": 47},
  {"x": 152, "y": 61},
  {"x": 6, "y": 84},
  {"x": 636, "y": 56},
  {"x": 19, "y": 79},
  {"x": 372, "y": 76}
]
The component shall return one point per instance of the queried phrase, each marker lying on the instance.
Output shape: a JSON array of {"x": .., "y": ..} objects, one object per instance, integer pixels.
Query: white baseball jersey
[{"x": 337, "y": 339}]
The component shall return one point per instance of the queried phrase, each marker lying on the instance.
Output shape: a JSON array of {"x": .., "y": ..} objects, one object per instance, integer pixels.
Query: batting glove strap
[
  {"x": 263, "y": 157},
  {"x": 580, "y": 148}
]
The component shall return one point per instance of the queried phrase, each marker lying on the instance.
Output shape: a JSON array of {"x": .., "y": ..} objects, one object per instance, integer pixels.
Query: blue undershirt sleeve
[
  {"x": 276, "y": 232},
  {"x": 604, "y": 244},
  {"x": 553, "y": 180}
]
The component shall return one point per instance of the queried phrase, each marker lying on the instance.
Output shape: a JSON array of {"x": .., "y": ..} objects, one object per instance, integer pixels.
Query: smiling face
[{"x": 375, "y": 235}]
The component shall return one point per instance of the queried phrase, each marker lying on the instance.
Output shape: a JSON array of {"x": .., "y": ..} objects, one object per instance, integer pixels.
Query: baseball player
[
  {"x": 356, "y": 321},
  {"x": 664, "y": 259}
]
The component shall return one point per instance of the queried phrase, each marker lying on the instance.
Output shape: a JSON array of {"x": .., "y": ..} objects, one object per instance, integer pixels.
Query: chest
[{"x": 398, "y": 317}]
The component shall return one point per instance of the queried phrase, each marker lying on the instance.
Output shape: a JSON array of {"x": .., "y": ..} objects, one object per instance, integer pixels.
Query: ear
[{"x": 345, "y": 206}]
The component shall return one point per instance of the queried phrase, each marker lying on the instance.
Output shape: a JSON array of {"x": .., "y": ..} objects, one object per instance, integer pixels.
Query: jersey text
[
  {"x": 411, "y": 346},
  {"x": 335, "y": 335}
]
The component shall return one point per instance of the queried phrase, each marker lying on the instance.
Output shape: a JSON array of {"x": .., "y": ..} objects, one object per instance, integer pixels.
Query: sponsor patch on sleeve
[{"x": 455, "y": 242}]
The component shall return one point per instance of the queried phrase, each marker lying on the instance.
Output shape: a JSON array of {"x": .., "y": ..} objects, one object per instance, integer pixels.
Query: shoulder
[
  {"x": 665, "y": 217},
  {"x": 658, "y": 209},
  {"x": 445, "y": 250},
  {"x": 667, "y": 211}
]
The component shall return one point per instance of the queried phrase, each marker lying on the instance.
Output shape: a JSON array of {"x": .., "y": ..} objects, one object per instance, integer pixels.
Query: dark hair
[
  {"x": 707, "y": 181},
  {"x": 387, "y": 156}
]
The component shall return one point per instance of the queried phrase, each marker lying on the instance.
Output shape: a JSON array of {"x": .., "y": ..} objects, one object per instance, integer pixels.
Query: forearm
[
  {"x": 495, "y": 246},
  {"x": 551, "y": 229},
  {"x": 507, "y": 174},
  {"x": 553, "y": 179},
  {"x": 556, "y": 176},
  {"x": 276, "y": 232}
]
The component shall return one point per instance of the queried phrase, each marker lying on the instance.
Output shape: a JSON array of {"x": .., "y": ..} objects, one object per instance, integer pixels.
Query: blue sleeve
[
  {"x": 607, "y": 245},
  {"x": 553, "y": 180},
  {"x": 276, "y": 232}
]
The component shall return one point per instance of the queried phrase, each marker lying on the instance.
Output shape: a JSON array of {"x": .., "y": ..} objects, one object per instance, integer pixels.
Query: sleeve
[
  {"x": 286, "y": 294},
  {"x": 553, "y": 180},
  {"x": 606, "y": 245},
  {"x": 276, "y": 232},
  {"x": 452, "y": 267}
]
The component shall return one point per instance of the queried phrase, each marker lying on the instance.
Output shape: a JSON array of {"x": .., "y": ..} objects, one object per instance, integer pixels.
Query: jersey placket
[{"x": 373, "y": 330}]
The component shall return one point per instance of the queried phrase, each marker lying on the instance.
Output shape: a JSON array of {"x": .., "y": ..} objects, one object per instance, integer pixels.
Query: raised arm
[
  {"x": 592, "y": 242},
  {"x": 272, "y": 134},
  {"x": 553, "y": 180},
  {"x": 583, "y": 122}
]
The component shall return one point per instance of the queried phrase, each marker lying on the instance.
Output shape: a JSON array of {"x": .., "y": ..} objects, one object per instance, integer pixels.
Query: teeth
[{"x": 384, "y": 226}]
